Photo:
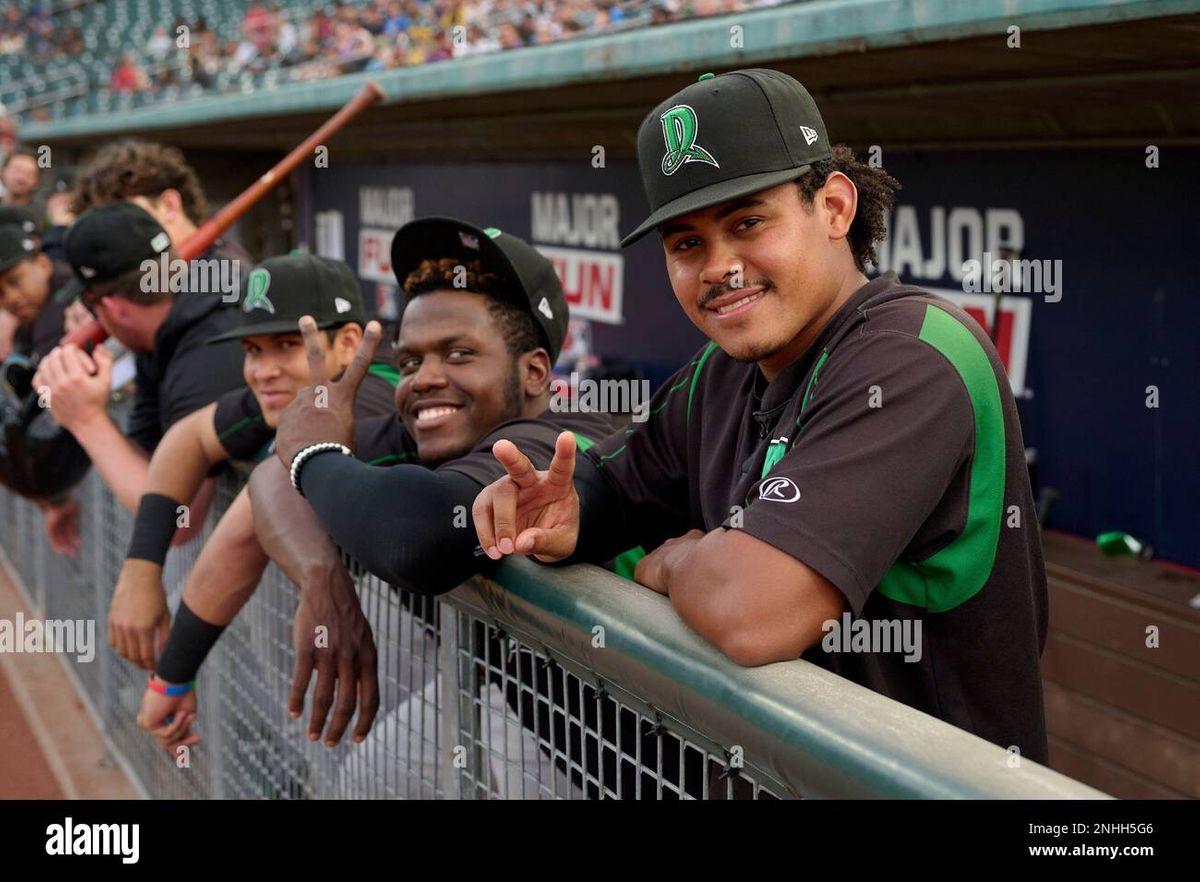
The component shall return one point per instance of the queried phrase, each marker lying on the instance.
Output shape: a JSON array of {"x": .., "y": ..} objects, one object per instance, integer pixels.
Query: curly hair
[
  {"x": 876, "y": 195},
  {"x": 138, "y": 168},
  {"x": 516, "y": 325}
]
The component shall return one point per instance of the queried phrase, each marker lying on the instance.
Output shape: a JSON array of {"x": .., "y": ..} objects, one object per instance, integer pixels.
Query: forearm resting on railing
[
  {"x": 288, "y": 530},
  {"x": 407, "y": 524},
  {"x": 224, "y": 578},
  {"x": 229, "y": 567},
  {"x": 121, "y": 463},
  {"x": 170, "y": 500}
]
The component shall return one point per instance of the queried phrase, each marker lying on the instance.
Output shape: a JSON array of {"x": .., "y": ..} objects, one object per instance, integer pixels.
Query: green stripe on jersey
[
  {"x": 693, "y": 380},
  {"x": 708, "y": 350},
  {"x": 391, "y": 458},
  {"x": 242, "y": 423},
  {"x": 780, "y": 446},
  {"x": 955, "y": 574},
  {"x": 387, "y": 372},
  {"x": 625, "y": 563},
  {"x": 812, "y": 382}
]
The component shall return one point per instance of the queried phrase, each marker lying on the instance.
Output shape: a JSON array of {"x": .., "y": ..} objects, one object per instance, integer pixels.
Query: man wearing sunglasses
[{"x": 176, "y": 372}]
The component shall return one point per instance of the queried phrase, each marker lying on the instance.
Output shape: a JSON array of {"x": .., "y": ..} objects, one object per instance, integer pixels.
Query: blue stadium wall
[{"x": 1125, "y": 320}]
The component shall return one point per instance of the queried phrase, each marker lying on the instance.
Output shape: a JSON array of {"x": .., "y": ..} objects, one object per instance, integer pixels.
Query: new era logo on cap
[
  {"x": 726, "y": 137},
  {"x": 526, "y": 277},
  {"x": 160, "y": 242},
  {"x": 341, "y": 304},
  {"x": 87, "y": 272}
]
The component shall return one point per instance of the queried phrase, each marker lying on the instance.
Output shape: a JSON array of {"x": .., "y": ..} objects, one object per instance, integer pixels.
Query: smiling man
[
  {"x": 841, "y": 444},
  {"x": 239, "y": 425},
  {"x": 483, "y": 322}
]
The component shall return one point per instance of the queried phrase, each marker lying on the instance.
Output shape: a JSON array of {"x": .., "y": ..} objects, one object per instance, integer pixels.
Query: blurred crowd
[
  {"x": 379, "y": 35},
  {"x": 34, "y": 33}
]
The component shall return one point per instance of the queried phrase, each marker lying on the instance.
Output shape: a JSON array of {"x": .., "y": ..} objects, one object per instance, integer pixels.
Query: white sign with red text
[
  {"x": 375, "y": 254},
  {"x": 592, "y": 281}
]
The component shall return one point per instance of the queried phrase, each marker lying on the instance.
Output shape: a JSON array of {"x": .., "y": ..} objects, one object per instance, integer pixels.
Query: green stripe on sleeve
[
  {"x": 240, "y": 424},
  {"x": 391, "y": 458},
  {"x": 387, "y": 372},
  {"x": 955, "y": 574}
]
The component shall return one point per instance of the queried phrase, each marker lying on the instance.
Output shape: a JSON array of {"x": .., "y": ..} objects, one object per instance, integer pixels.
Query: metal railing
[{"x": 546, "y": 683}]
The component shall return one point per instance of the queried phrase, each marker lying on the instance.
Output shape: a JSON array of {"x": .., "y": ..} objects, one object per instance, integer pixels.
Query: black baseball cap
[
  {"x": 528, "y": 275},
  {"x": 724, "y": 137},
  {"x": 15, "y": 245},
  {"x": 107, "y": 242},
  {"x": 23, "y": 217},
  {"x": 281, "y": 289}
]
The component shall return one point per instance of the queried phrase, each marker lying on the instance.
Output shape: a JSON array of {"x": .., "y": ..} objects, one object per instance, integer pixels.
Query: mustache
[{"x": 721, "y": 290}]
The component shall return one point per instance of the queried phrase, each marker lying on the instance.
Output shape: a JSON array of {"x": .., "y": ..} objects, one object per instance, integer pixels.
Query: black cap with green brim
[
  {"x": 725, "y": 137},
  {"x": 529, "y": 276},
  {"x": 107, "y": 242},
  {"x": 277, "y": 292}
]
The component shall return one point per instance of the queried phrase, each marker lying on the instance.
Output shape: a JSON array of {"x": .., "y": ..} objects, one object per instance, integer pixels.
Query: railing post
[
  {"x": 454, "y": 702},
  {"x": 447, "y": 697},
  {"x": 96, "y": 518}
]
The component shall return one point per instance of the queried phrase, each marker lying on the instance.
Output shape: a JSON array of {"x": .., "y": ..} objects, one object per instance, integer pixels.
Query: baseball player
[
  {"x": 27, "y": 280},
  {"x": 158, "y": 180},
  {"x": 240, "y": 425},
  {"x": 176, "y": 372},
  {"x": 484, "y": 320},
  {"x": 843, "y": 454}
]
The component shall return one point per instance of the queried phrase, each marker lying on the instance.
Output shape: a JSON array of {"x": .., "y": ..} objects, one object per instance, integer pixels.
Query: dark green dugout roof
[{"x": 937, "y": 74}]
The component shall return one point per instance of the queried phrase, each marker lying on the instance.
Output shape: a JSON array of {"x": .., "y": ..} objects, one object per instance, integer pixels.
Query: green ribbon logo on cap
[
  {"x": 680, "y": 127},
  {"x": 256, "y": 291}
]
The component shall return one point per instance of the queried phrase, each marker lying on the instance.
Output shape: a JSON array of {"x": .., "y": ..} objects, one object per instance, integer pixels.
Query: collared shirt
[
  {"x": 889, "y": 459},
  {"x": 238, "y": 420}
]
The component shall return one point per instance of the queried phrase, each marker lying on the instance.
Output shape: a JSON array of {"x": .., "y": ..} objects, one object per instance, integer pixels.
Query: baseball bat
[{"x": 207, "y": 233}]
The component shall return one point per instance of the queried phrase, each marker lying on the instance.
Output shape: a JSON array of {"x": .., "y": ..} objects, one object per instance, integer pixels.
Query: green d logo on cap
[
  {"x": 680, "y": 127},
  {"x": 256, "y": 292}
]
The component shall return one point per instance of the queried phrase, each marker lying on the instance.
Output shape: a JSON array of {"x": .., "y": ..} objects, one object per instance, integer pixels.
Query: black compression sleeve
[
  {"x": 187, "y": 647},
  {"x": 154, "y": 528},
  {"x": 406, "y": 524}
]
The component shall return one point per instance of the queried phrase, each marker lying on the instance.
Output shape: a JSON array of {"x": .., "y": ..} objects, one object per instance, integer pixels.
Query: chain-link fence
[{"x": 546, "y": 683}]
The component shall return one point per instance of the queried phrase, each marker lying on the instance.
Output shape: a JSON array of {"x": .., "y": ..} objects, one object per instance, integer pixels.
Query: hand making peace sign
[
  {"x": 530, "y": 511},
  {"x": 324, "y": 411}
]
